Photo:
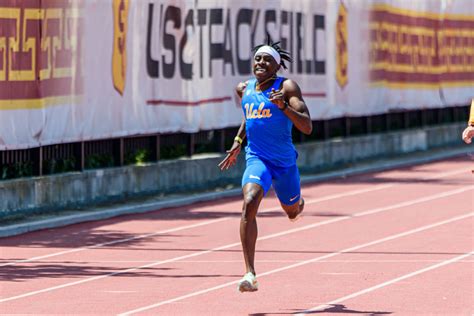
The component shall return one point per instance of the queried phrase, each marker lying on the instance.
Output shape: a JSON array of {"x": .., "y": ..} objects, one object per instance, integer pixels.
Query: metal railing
[{"x": 105, "y": 153}]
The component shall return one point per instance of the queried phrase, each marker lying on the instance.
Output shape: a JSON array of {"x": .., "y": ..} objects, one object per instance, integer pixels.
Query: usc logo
[{"x": 119, "y": 58}]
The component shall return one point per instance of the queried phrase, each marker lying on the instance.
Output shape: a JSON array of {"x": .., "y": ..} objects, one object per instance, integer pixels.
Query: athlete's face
[{"x": 264, "y": 66}]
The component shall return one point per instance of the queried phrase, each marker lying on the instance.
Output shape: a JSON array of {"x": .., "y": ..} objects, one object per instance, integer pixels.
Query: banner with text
[{"x": 82, "y": 70}]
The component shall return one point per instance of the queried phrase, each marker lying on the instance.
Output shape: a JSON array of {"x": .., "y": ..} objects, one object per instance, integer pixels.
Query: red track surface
[{"x": 395, "y": 242}]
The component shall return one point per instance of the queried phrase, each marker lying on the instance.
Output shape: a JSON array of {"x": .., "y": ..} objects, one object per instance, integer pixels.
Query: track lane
[
  {"x": 174, "y": 269},
  {"x": 142, "y": 248},
  {"x": 284, "y": 295},
  {"x": 91, "y": 273},
  {"x": 50, "y": 243}
]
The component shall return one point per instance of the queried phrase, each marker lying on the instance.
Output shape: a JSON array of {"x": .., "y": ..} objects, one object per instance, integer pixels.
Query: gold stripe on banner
[
  {"x": 31, "y": 104},
  {"x": 422, "y": 85},
  {"x": 411, "y": 68},
  {"x": 119, "y": 58},
  {"x": 418, "y": 14}
]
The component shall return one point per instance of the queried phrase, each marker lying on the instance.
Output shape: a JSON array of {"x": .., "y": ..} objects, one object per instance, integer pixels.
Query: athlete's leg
[
  {"x": 294, "y": 210},
  {"x": 288, "y": 189},
  {"x": 256, "y": 182},
  {"x": 253, "y": 194}
]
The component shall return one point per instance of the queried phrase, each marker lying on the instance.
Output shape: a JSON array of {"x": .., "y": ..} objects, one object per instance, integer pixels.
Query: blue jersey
[{"x": 268, "y": 129}]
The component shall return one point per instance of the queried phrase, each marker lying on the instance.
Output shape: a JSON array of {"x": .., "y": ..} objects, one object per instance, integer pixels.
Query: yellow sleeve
[{"x": 471, "y": 116}]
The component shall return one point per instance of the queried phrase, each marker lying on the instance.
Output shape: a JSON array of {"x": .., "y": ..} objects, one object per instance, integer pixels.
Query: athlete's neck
[{"x": 260, "y": 84}]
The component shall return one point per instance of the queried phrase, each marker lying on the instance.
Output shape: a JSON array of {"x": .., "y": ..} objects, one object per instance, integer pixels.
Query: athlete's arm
[
  {"x": 240, "y": 91},
  {"x": 234, "y": 151},
  {"x": 290, "y": 101},
  {"x": 232, "y": 154},
  {"x": 468, "y": 132}
]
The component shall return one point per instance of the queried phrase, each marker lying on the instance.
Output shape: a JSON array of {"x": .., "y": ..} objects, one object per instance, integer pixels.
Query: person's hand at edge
[
  {"x": 231, "y": 157},
  {"x": 468, "y": 134}
]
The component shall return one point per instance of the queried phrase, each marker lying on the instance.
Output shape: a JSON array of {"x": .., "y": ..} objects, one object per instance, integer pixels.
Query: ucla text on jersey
[{"x": 252, "y": 113}]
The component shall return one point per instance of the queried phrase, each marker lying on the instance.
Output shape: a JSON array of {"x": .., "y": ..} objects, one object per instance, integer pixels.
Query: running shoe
[{"x": 248, "y": 283}]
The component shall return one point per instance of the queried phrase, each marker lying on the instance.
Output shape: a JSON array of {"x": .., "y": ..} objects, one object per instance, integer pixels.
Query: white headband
[{"x": 270, "y": 51}]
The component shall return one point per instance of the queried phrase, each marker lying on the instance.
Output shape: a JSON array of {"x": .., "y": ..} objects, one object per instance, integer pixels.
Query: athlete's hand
[
  {"x": 231, "y": 157},
  {"x": 468, "y": 134},
  {"x": 277, "y": 97},
  {"x": 241, "y": 88}
]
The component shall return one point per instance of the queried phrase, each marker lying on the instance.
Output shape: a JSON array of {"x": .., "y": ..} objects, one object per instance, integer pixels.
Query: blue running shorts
[{"x": 286, "y": 181}]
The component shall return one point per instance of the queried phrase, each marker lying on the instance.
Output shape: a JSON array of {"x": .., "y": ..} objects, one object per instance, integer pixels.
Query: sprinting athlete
[{"x": 271, "y": 106}]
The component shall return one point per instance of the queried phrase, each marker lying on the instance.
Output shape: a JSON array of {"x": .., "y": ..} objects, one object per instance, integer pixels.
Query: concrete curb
[{"x": 17, "y": 229}]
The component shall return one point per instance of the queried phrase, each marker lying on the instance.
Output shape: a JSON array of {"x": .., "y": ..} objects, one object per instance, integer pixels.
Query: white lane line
[
  {"x": 387, "y": 283},
  {"x": 267, "y": 261},
  {"x": 338, "y": 273},
  {"x": 326, "y": 261},
  {"x": 172, "y": 230},
  {"x": 372, "y": 211},
  {"x": 113, "y": 242},
  {"x": 301, "y": 263},
  {"x": 209, "y": 222},
  {"x": 195, "y": 254}
]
